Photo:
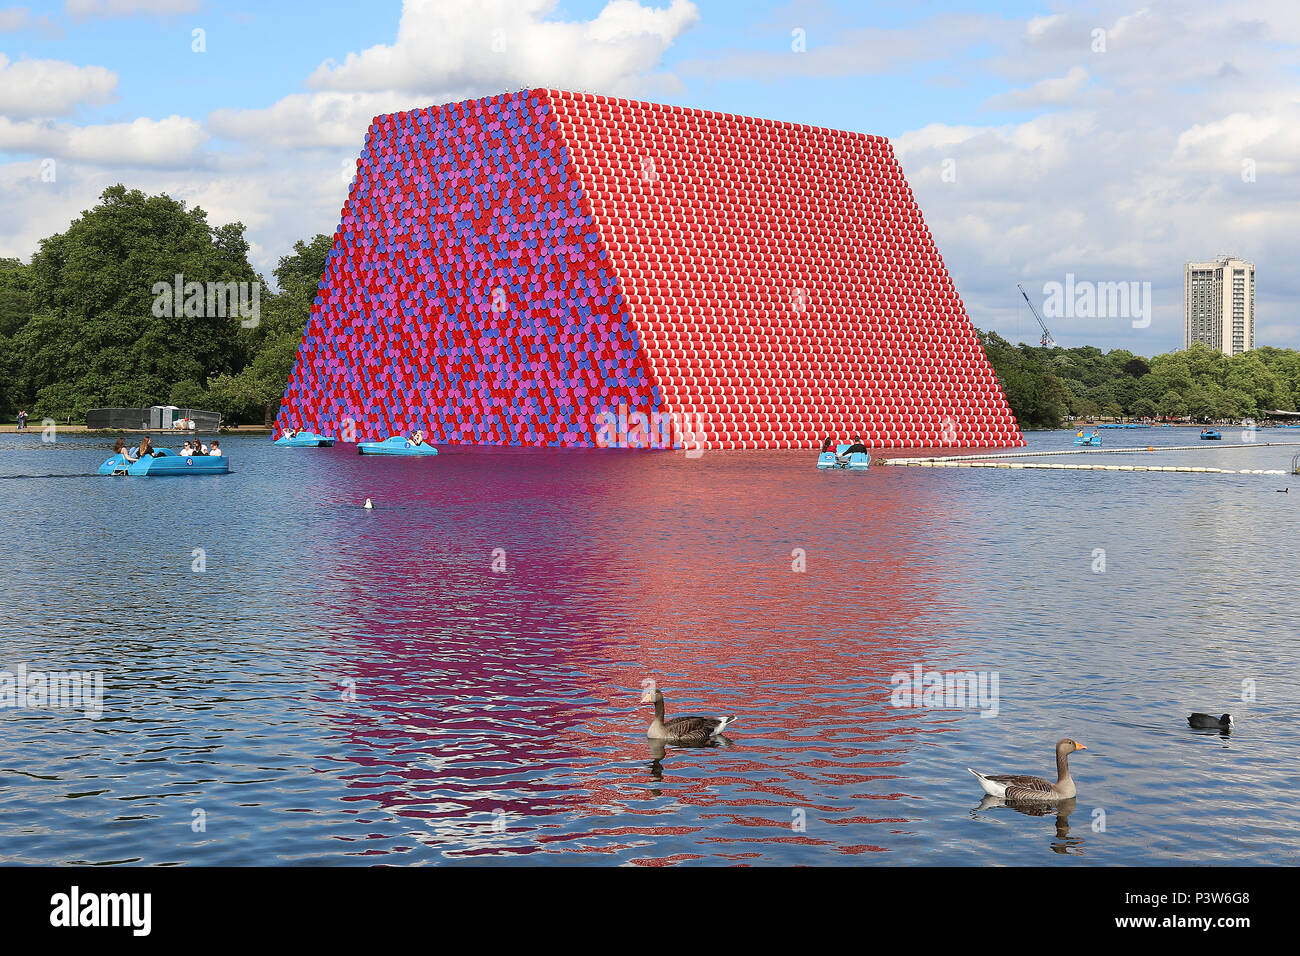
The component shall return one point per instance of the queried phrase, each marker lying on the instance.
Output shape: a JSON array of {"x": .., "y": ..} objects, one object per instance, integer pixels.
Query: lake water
[{"x": 455, "y": 676}]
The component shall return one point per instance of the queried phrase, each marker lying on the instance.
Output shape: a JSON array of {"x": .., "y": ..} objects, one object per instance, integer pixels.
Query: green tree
[
  {"x": 1233, "y": 403},
  {"x": 100, "y": 331},
  {"x": 1284, "y": 366},
  {"x": 15, "y": 296},
  {"x": 1144, "y": 408},
  {"x": 1137, "y": 367},
  {"x": 1103, "y": 395},
  {"x": 1173, "y": 405},
  {"x": 1037, "y": 397},
  {"x": 239, "y": 398},
  {"x": 188, "y": 394}
]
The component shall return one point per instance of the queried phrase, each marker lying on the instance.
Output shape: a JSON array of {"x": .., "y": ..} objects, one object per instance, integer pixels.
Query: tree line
[
  {"x": 87, "y": 324},
  {"x": 1044, "y": 385},
  {"x": 118, "y": 312}
]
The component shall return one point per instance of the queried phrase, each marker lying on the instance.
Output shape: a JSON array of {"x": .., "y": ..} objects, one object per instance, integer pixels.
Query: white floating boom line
[{"x": 1005, "y": 460}]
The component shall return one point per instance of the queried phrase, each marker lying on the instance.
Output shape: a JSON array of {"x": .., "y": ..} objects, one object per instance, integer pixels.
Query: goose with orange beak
[
  {"x": 1015, "y": 787},
  {"x": 681, "y": 730}
]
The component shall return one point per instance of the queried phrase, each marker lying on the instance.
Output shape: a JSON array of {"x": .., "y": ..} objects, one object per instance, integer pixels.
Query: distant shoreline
[
  {"x": 1076, "y": 426},
  {"x": 34, "y": 427}
]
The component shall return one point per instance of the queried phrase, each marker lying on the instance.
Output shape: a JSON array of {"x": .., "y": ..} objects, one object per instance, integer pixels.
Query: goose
[
  {"x": 1205, "y": 721},
  {"x": 1015, "y": 787},
  {"x": 682, "y": 730}
]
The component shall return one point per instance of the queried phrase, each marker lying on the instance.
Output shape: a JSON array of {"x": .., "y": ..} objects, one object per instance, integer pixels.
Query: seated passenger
[
  {"x": 215, "y": 449},
  {"x": 119, "y": 448},
  {"x": 417, "y": 438},
  {"x": 187, "y": 449},
  {"x": 146, "y": 448},
  {"x": 828, "y": 444},
  {"x": 856, "y": 448}
]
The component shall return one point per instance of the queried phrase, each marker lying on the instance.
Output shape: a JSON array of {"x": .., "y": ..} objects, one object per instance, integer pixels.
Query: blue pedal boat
[
  {"x": 1087, "y": 439},
  {"x": 165, "y": 462},
  {"x": 394, "y": 445},
  {"x": 304, "y": 440},
  {"x": 1211, "y": 435},
  {"x": 856, "y": 461}
]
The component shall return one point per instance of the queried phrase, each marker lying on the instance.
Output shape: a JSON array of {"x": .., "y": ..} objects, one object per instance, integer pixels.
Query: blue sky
[
  {"x": 1034, "y": 154},
  {"x": 255, "y": 52}
]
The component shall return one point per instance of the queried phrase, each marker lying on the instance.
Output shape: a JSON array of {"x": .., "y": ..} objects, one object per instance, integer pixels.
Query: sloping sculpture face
[{"x": 550, "y": 268}]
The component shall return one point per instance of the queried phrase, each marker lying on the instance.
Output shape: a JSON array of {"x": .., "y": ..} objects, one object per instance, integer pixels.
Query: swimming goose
[
  {"x": 1205, "y": 721},
  {"x": 682, "y": 730},
  {"x": 1015, "y": 787}
]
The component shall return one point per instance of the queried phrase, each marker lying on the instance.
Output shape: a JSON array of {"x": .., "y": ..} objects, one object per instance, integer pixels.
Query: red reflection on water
[{"x": 745, "y": 584}]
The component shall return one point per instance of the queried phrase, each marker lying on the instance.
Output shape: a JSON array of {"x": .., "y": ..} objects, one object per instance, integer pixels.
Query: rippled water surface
[{"x": 349, "y": 686}]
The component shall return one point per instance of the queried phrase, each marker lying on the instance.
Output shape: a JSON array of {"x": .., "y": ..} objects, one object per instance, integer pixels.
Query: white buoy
[{"x": 369, "y": 506}]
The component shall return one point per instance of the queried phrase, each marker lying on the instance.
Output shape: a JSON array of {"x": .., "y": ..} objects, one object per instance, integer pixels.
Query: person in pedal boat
[
  {"x": 856, "y": 448},
  {"x": 119, "y": 448}
]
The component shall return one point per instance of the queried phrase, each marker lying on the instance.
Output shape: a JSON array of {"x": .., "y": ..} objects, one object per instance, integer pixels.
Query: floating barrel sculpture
[{"x": 552, "y": 268}]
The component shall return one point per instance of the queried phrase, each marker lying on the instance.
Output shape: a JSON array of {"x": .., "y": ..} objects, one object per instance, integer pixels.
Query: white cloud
[
  {"x": 1238, "y": 135},
  {"x": 175, "y": 141},
  {"x": 304, "y": 120},
  {"x": 1041, "y": 26},
  {"x": 840, "y": 51},
  {"x": 81, "y": 9},
  {"x": 1051, "y": 91},
  {"x": 445, "y": 52},
  {"x": 490, "y": 45},
  {"x": 35, "y": 208},
  {"x": 276, "y": 209},
  {"x": 172, "y": 141},
  {"x": 935, "y": 136},
  {"x": 51, "y": 87},
  {"x": 13, "y": 19}
]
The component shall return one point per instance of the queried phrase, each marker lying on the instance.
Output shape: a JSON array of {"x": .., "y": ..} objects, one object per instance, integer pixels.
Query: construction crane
[{"x": 1046, "y": 341}]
